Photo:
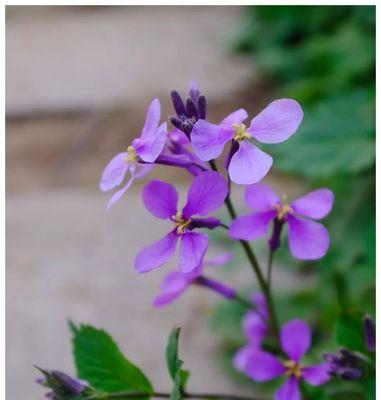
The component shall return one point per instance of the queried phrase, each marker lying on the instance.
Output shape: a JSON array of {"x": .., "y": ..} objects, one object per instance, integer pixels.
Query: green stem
[
  {"x": 269, "y": 268},
  {"x": 255, "y": 265},
  {"x": 162, "y": 395}
]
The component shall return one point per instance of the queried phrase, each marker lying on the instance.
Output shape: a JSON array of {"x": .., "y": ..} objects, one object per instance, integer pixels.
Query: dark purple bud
[
  {"x": 233, "y": 149},
  {"x": 210, "y": 223},
  {"x": 71, "y": 384},
  {"x": 274, "y": 241},
  {"x": 177, "y": 122},
  {"x": 178, "y": 103},
  {"x": 350, "y": 374},
  {"x": 370, "y": 333},
  {"x": 218, "y": 287},
  {"x": 201, "y": 107},
  {"x": 191, "y": 109}
]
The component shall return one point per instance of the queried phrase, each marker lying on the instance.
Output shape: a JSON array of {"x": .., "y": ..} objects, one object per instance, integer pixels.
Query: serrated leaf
[
  {"x": 350, "y": 331},
  {"x": 99, "y": 361},
  {"x": 178, "y": 375}
]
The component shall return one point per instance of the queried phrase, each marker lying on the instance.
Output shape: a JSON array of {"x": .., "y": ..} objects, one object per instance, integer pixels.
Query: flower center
[
  {"x": 240, "y": 132},
  {"x": 181, "y": 223},
  {"x": 283, "y": 209},
  {"x": 293, "y": 369},
  {"x": 132, "y": 155}
]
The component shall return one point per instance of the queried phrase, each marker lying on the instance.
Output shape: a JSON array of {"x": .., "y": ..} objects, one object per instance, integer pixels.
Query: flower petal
[
  {"x": 289, "y": 390},
  {"x": 262, "y": 366},
  {"x": 277, "y": 122},
  {"x": 236, "y": 117},
  {"x": 242, "y": 356},
  {"x": 261, "y": 197},
  {"x": 208, "y": 140},
  {"x": 316, "y": 375},
  {"x": 249, "y": 164},
  {"x": 114, "y": 172},
  {"x": 192, "y": 250},
  {"x": 308, "y": 240},
  {"x": 255, "y": 328},
  {"x": 295, "y": 337},
  {"x": 252, "y": 226},
  {"x": 149, "y": 148},
  {"x": 173, "y": 286},
  {"x": 157, "y": 254},
  {"x": 219, "y": 260},
  {"x": 160, "y": 199},
  {"x": 206, "y": 194},
  {"x": 152, "y": 119},
  {"x": 117, "y": 195},
  {"x": 316, "y": 204}
]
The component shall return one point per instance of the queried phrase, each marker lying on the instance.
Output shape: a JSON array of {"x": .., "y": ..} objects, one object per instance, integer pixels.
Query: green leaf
[
  {"x": 178, "y": 375},
  {"x": 100, "y": 362},
  {"x": 350, "y": 330}
]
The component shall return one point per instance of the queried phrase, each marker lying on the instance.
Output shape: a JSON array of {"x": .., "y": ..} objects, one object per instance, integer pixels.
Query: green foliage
[
  {"x": 350, "y": 331},
  {"x": 100, "y": 362},
  {"x": 178, "y": 375}
]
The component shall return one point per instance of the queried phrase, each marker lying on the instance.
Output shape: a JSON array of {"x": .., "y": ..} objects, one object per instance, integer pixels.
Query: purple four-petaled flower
[
  {"x": 295, "y": 340},
  {"x": 176, "y": 283},
  {"x": 145, "y": 149},
  {"x": 247, "y": 164},
  {"x": 308, "y": 240},
  {"x": 206, "y": 194}
]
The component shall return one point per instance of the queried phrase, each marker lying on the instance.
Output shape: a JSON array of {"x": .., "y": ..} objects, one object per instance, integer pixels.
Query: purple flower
[
  {"x": 206, "y": 194},
  {"x": 176, "y": 283},
  {"x": 255, "y": 328},
  {"x": 308, "y": 240},
  {"x": 295, "y": 341},
  {"x": 246, "y": 163},
  {"x": 189, "y": 113},
  {"x": 145, "y": 149}
]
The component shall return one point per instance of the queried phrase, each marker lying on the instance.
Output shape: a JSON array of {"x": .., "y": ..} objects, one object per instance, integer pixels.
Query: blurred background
[{"x": 79, "y": 80}]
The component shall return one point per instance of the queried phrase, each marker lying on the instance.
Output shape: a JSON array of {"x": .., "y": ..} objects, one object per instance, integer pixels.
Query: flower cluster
[{"x": 194, "y": 144}]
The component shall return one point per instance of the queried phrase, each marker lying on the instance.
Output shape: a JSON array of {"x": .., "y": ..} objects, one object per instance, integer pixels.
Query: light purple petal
[
  {"x": 152, "y": 119},
  {"x": 308, "y": 240},
  {"x": 206, "y": 194},
  {"x": 277, "y": 122},
  {"x": 142, "y": 170},
  {"x": 249, "y": 164},
  {"x": 219, "y": 260},
  {"x": 262, "y": 366},
  {"x": 157, "y": 254},
  {"x": 150, "y": 147},
  {"x": 173, "y": 286},
  {"x": 114, "y": 172},
  {"x": 236, "y": 117},
  {"x": 259, "y": 300},
  {"x": 117, "y": 195},
  {"x": 289, "y": 390},
  {"x": 192, "y": 250},
  {"x": 208, "y": 140},
  {"x": 316, "y": 375},
  {"x": 252, "y": 226},
  {"x": 255, "y": 328},
  {"x": 295, "y": 337},
  {"x": 242, "y": 356},
  {"x": 316, "y": 204},
  {"x": 160, "y": 199},
  {"x": 261, "y": 197}
]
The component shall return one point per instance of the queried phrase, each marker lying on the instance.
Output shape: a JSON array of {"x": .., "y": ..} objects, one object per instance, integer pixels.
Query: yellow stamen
[
  {"x": 132, "y": 155},
  {"x": 293, "y": 369},
  {"x": 181, "y": 223},
  {"x": 283, "y": 209},
  {"x": 240, "y": 132}
]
